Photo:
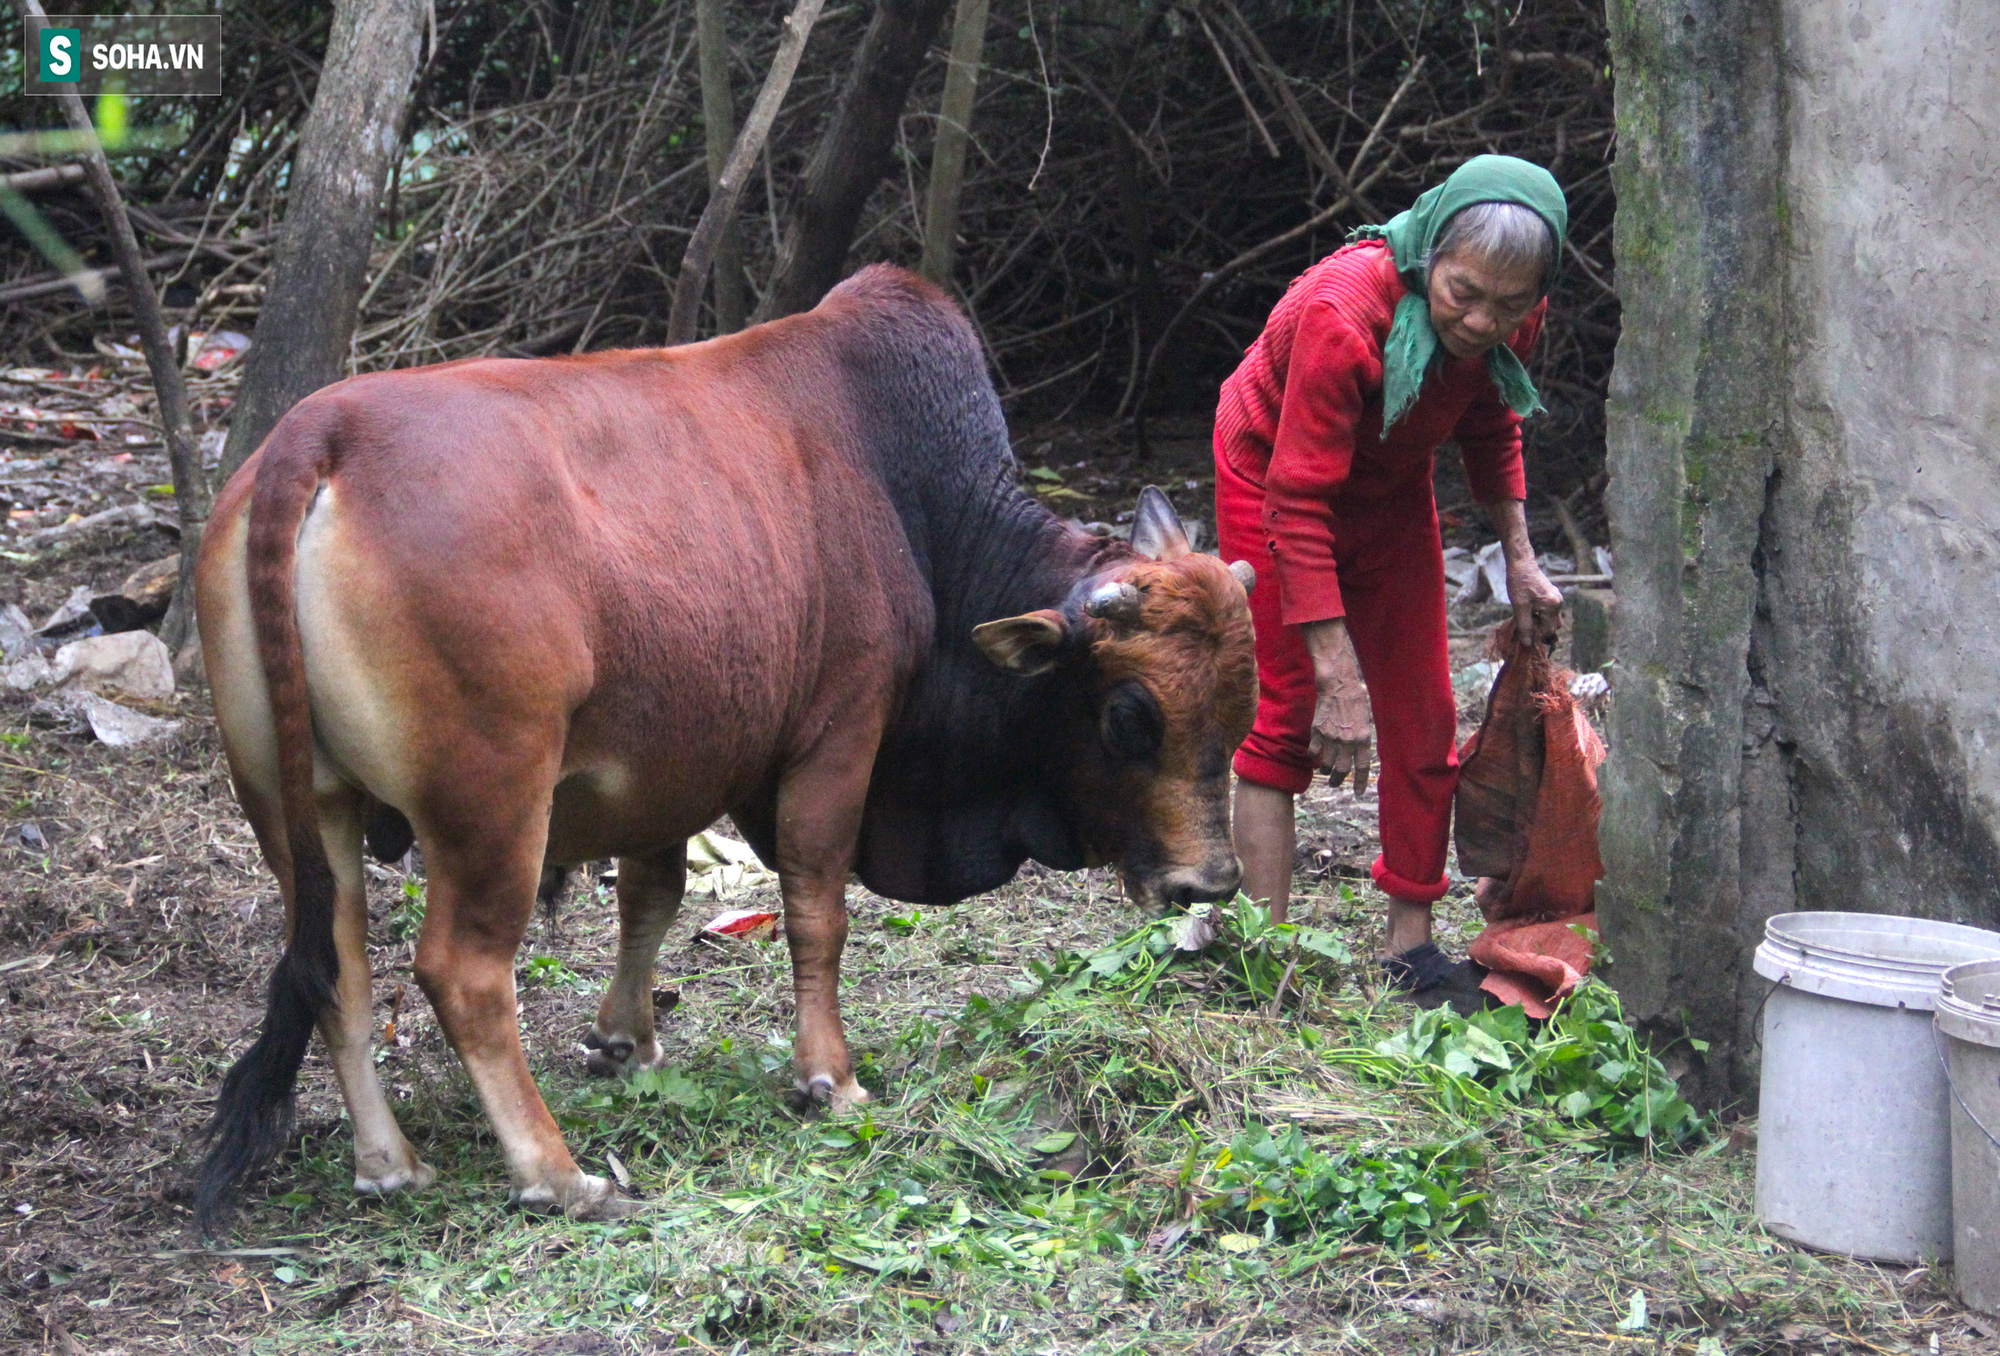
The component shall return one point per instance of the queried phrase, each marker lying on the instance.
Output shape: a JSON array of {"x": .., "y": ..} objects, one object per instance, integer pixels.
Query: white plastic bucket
[
  {"x": 1968, "y": 1023},
  {"x": 1854, "y": 1128}
]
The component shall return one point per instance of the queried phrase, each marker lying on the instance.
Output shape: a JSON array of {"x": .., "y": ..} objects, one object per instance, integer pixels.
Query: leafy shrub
[
  {"x": 1585, "y": 1067},
  {"x": 406, "y": 916},
  {"x": 549, "y": 972},
  {"x": 1283, "y": 1186}
]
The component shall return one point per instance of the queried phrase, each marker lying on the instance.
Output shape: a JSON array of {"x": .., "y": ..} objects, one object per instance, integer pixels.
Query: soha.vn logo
[
  {"x": 62, "y": 55},
  {"x": 146, "y": 56}
]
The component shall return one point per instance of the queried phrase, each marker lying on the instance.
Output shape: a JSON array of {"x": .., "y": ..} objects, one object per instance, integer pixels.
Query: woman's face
[{"x": 1475, "y": 305}]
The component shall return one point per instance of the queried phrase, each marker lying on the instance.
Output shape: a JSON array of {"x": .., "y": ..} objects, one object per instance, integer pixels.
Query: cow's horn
[{"x": 1117, "y": 601}]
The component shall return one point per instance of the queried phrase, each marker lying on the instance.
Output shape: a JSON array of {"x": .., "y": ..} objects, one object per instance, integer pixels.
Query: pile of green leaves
[
  {"x": 1283, "y": 1186},
  {"x": 1231, "y": 952},
  {"x": 1584, "y": 1069}
]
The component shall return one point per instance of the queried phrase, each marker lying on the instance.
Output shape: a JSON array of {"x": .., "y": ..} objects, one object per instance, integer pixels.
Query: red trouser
[{"x": 1391, "y": 567}]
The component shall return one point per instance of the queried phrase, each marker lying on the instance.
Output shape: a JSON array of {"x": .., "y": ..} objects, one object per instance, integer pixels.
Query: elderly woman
[{"x": 1412, "y": 334}]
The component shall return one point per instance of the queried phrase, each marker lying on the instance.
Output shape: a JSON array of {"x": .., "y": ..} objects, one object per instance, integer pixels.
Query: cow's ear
[
  {"x": 1156, "y": 528},
  {"x": 1028, "y": 644}
]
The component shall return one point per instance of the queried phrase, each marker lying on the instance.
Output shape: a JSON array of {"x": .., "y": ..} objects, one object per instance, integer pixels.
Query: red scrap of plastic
[
  {"x": 218, "y": 349},
  {"x": 1527, "y": 810},
  {"x": 754, "y": 924}
]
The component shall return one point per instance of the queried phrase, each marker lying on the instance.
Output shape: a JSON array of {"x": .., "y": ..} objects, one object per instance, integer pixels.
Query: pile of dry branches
[{"x": 1145, "y": 178}]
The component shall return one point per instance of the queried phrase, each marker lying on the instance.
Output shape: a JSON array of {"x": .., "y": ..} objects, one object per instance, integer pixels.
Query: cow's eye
[{"x": 1133, "y": 725}]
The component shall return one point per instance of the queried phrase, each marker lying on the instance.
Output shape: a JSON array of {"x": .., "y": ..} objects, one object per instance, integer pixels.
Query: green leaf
[
  {"x": 1109, "y": 961},
  {"x": 1482, "y": 1047},
  {"x": 1239, "y": 1243},
  {"x": 1055, "y": 1141}
]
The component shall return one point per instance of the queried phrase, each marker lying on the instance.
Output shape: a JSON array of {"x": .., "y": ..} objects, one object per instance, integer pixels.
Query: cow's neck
[{"x": 968, "y": 784}]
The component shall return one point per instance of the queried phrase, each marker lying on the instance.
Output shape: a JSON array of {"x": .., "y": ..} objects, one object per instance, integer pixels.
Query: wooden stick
[
  {"x": 1579, "y": 544},
  {"x": 191, "y": 497},
  {"x": 721, "y": 210},
  {"x": 51, "y": 176}
]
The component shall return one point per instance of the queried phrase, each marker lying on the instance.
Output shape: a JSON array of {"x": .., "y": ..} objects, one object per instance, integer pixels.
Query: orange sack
[{"x": 1525, "y": 819}]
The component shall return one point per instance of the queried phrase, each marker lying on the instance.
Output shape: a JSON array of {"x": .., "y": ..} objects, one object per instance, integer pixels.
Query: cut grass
[{"x": 1130, "y": 1150}]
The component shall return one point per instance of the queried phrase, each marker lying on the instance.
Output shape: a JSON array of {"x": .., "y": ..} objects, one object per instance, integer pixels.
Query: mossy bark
[
  {"x": 1694, "y": 425},
  {"x": 1804, "y": 447}
]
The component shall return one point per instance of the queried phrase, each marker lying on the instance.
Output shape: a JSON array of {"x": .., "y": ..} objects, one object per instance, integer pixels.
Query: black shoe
[
  {"x": 1425, "y": 977},
  {"x": 1421, "y": 967}
]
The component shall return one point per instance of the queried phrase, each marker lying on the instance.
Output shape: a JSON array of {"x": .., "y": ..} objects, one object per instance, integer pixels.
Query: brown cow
[{"x": 548, "y": 612}]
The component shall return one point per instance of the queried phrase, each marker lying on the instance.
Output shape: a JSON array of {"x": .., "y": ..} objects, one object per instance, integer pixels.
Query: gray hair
[{"x": 1503, "y": 234}]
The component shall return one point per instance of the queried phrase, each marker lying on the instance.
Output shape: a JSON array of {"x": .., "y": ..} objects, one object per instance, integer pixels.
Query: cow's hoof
[
  {"x": 836, "y": 1098},
  {"x": 617, "y": 1056},
  {"x": 585, "y": 1197},
  {"x": 414, "y": 1176}
]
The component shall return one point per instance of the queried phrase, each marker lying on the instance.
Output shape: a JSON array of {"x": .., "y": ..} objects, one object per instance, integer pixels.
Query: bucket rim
[
  {"x": 1828, "y": 952},
  {"x": 1968, "y": 1006}
]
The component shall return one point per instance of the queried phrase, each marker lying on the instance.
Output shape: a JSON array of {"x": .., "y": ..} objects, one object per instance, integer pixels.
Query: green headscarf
[{"x": 1412, "y": 343}]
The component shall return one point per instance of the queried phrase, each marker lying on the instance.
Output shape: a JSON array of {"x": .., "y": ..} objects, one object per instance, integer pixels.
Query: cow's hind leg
[
  {"x": 383, "y": 1159},
  {"x": 484, "y": 866},
  {"x": 623, "y": 1040}
]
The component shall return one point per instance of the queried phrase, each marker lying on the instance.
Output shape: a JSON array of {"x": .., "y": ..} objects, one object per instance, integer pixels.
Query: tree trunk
[
  {"x": 852, "y": 155},
  {"x": 954, "y": 131},
  {"x": 344, "y": 154},
  {"x": 718, "y": 115}
]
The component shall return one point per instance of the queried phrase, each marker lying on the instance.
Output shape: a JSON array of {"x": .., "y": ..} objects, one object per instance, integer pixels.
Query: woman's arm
[
  {"x": 1489, "y": 438},
  {"x": 1311, "y": 456}
]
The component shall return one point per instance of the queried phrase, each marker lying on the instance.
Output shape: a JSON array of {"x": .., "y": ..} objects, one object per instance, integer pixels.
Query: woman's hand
[
  {"x": 1538, "y": 604},
  {"x": 1343, "y": 732}
]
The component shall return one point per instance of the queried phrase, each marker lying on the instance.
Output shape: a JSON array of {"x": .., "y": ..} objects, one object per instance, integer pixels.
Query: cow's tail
[{"x": 253, "y": 1115}]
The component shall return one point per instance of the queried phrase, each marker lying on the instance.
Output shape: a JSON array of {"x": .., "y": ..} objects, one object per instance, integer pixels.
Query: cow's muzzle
[{"x": 1209, "y": 883}]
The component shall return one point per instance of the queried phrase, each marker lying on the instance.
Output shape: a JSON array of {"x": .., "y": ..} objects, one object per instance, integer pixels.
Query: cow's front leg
[
  {"x": 816, "y": 930},
  {"x": 819, "y": 815},
  {"x": 623, "y": 1040}
]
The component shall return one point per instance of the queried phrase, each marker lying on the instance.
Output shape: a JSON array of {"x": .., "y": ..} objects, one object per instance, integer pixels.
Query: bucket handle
[{"x": 1937, "y": 1043}]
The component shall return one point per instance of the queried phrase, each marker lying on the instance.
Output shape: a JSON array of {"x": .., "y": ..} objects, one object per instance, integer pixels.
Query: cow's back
[{"x": 685, "y": 558}]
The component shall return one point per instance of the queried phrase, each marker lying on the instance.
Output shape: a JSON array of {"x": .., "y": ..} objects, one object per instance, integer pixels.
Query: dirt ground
[{"x": 137, "y": 926}]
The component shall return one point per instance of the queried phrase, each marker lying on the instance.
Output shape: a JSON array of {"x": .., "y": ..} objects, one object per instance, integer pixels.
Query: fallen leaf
[{"x": 1239, "y": 1242}]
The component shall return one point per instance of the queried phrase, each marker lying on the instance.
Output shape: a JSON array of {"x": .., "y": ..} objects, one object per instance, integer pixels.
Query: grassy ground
[
  {"x": 1057, "y": 1162},
  {"x": 1086, "y": 1142}
]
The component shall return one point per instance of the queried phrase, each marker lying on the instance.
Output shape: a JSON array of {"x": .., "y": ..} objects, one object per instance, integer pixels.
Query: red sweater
[{"x": 1302, "y": 415}]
